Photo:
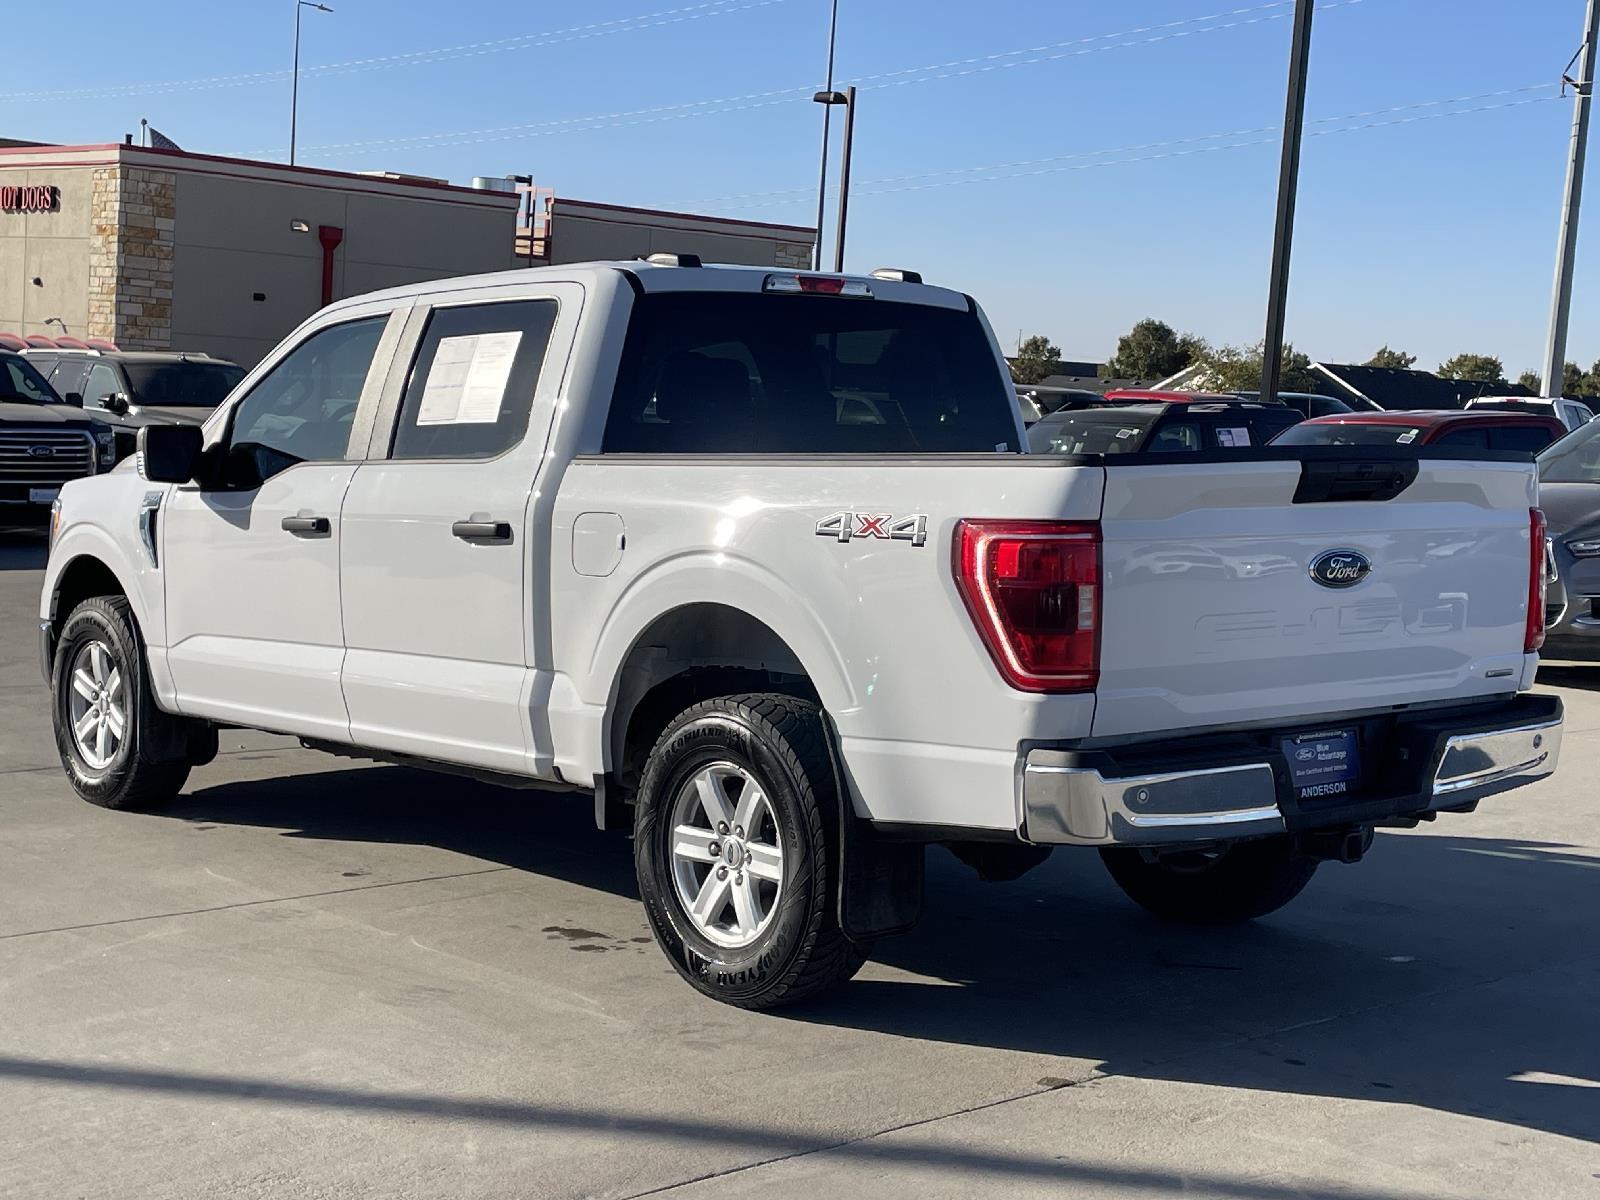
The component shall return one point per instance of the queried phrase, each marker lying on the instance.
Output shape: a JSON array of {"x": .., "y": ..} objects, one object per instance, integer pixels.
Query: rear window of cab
[{"x": 735, "y": 373}]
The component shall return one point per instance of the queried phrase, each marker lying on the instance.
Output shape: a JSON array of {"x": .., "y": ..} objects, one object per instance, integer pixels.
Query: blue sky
[{"x": 1436, "y": 234}]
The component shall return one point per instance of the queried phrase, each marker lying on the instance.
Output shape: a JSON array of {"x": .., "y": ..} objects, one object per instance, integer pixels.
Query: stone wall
[{"x": 130, "y": 257}]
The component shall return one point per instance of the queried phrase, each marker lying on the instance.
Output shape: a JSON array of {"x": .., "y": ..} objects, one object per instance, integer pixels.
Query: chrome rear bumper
[{"x": 1065, "y": 802}]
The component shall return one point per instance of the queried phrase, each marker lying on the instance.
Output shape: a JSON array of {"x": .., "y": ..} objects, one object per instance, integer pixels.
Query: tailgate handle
[{"x": 1330, "y": 482}]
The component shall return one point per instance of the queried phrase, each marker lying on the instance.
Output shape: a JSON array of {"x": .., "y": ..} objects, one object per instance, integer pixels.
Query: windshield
[
  {"x": 182, "y": 384},
  {"x": 1574, "y": 459},
  {"x": 1349, "y": 433},
  {"x": 724, "y": 373},
  {"x": 1092, "y": 431},
  {"x": 19, "y": 381}
]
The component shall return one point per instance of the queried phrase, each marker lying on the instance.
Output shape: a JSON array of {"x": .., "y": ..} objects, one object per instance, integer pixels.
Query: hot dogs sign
[{"x": 42, "y": 197}]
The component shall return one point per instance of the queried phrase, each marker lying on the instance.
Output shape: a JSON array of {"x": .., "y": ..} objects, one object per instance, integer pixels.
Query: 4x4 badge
[{"x": 842, "y": 526}]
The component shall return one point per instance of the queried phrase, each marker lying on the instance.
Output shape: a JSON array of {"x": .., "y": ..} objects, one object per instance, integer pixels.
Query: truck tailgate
[{"x": 1212, "y": 615}]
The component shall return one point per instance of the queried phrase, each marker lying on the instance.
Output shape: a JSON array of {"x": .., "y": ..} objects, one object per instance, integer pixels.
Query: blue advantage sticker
[{"x": 1322, "y": 764}]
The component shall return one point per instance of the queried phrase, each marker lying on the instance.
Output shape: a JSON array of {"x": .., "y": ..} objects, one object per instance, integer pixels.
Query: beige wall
[
  {"x": 234, "y": 239},
  {"x": 52, "y": 247},
  {"x": 577, "y": 237}
]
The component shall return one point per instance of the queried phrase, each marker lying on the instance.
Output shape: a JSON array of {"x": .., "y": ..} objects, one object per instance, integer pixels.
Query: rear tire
[
  {"x": 119, "y": 750},
  {"x": 1238, "y": 882},
  {"x": 744, "y": 785}
]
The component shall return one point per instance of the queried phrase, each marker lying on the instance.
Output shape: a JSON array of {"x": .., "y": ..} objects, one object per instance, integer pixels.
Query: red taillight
[
  {"x": 1534, "y": 637},
  {"x": 1033, "y": 589}
]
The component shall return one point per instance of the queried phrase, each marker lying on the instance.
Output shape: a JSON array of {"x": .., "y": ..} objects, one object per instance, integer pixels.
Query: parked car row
[
  {"x": 1569, "y": 494},
  {"x": 70, "y": 412}
]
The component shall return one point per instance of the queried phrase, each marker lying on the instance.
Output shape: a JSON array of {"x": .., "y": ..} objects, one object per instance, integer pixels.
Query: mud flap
[{"x": 880, "y": 882}]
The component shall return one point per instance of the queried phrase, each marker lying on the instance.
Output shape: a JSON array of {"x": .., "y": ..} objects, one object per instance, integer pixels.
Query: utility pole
[
  {"x": 1555, "y": 355},
  {"x": 1288, "y": 183},
  {"x": 827, "y": 116}
]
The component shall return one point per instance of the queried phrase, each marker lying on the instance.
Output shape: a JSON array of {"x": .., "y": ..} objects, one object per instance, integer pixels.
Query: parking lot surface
[{"x": 316, "y": 977}]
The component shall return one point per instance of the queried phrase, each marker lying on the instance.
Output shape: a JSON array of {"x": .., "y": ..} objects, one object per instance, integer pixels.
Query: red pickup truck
[{"x": 1475, "y": 430}]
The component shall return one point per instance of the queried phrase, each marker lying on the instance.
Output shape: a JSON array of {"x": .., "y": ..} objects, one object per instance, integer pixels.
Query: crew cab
[{"x": 759, "y": 560}]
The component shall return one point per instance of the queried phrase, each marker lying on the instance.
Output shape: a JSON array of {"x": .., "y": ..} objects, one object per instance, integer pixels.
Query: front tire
[
  {"x": 735, "y": 847},
  {"x": 1221, "y": 886},
  {"x": 119, "y": 750}
]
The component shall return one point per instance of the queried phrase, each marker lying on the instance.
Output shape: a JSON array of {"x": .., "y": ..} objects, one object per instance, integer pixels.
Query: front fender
[{"x": 100, "y": 519}]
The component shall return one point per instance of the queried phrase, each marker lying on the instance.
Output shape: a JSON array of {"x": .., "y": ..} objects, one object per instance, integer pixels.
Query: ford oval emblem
[
  {"x": 42, "y": 451},
  {"x": 1340, "y": 568}
]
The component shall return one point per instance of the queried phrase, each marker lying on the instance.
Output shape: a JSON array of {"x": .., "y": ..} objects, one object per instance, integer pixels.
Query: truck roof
[{"x": 659, "y": 277}]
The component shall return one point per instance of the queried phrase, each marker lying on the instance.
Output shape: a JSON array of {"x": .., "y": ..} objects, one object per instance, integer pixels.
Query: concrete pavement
[{"x": 312, "y": 978}]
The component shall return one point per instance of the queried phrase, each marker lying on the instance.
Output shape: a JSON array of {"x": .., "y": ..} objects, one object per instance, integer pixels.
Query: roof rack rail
[
  {"x": 665, "y": 259},
  {"x": 897, "y": 275}
]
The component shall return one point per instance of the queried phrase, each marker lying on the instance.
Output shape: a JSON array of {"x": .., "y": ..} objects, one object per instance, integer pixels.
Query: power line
[
  {"x": 1194, "y": 149},
  {"x": 576, "y": 33},
  {"x": 927, "y": 73},
  {"x": 1164, "y": 144}
]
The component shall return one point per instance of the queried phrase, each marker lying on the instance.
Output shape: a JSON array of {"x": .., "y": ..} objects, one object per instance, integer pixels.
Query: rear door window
[
  {"x": 1178, "y": 437},
  {"x": 1528, "y": 439},
  {"x": 726, "y": 373},
  {"x": 1463, "y": 439},
  {"x": 69, "y": 376},
  {"x": 472, "y": 384}
]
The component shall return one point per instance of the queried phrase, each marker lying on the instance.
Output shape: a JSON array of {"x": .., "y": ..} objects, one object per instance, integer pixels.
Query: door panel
[
  {"x": 251, "y": 558},
  {"x": 436, "y": 557},
  {"x": 253, "y": 609}
]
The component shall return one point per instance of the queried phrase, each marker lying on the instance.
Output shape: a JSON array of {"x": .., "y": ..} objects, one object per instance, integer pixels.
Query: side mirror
[
  {"x": 74, "y": 398},
  {"x": 116, "y": 403},
  {"x": 169, "y": 453}
]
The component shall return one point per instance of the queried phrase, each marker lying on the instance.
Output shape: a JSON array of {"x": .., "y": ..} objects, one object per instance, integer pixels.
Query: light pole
[
  {"x": 294, "y": 94},
  {"x": 827, "y": 113},
  {"x": 848, "y": 99}
]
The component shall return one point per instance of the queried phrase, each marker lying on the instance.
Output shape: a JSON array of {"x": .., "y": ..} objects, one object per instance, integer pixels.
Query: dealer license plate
[
  {"x": 1323, "y": 764},
  {"x": 43, "y": 495}
]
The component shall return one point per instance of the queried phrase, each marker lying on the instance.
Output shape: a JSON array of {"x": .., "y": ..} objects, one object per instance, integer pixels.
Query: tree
[
  {"x": 1531, "y": 381},
  {"x": 1473, "y": 368},
  {"x": 1240, "y": 369},
  {"x": 1036, "y": 358},
  {"x": 1386, "y": 357},
  {"x": 1153, "y": 350}
]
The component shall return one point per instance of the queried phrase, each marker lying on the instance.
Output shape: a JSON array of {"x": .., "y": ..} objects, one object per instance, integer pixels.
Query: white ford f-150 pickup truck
[{"x": 758, "y": 558}]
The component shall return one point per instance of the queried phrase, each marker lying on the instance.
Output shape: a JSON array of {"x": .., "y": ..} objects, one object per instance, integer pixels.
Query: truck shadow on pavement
[
  {"x": 1455, "y": 973},
  {"x": 1570, "y": 675},
  {"x": 23, "y": 550}
]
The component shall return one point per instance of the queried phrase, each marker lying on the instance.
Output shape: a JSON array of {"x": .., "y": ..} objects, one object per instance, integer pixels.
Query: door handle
[
  {"x": 307, "y": 525},
  {"x": 482, "y": 531}
]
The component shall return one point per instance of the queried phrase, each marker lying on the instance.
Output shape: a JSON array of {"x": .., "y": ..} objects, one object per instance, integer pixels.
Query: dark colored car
[
  {"x": 44, "y": 442},
  {"x": 1569, "y": 494},
  {"x": 1462, "y": 429},
  {"x": 1310, "y": 404},
  {"x": 133, "y": 388},
  {"x": 1160, "y": 428}
]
